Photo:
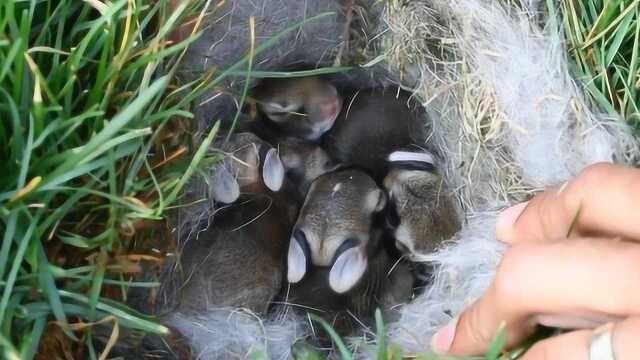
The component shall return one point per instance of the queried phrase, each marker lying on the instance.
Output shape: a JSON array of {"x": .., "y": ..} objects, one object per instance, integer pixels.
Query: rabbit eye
[{"x": 402, "y": 247}]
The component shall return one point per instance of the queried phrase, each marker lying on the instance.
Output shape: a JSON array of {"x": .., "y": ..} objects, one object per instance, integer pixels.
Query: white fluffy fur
[
  {"x": 552, "y": 133},
  {"x": 237, "y": 334},
  {"x": 465, "y": 268}
]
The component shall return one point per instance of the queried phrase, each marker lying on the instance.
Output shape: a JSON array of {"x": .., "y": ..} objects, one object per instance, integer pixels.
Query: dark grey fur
[
  {"x": 373, "y": 123},
  {"x": 240, "y": 263},
  {"x": 234, "y": 255},
  {"x": 318, "y": 43},
  {"x": 386, "y": 284},
  {"x": 304, "y": 161},
  {"x": 346, "y": 205}
]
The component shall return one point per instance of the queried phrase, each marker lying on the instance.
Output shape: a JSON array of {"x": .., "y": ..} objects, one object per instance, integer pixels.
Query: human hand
[{"x": 574, "y": 262}]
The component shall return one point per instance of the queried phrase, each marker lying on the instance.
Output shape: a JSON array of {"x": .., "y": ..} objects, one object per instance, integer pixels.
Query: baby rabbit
[
  {"x": 373, "y": 124},
  {"x": 303, "y": 162},
  {"x": 299, "y": 161},
  {"x": 239, "y": 260},
  {"x": 335, "y": 228},
  {"x": 303, "y": 107},
  {"x": 385, "y": 285},
  {"x": 240, "y": 170},
  {"x": 242, "y": 266},
  {"x": 425, "y": 212}
]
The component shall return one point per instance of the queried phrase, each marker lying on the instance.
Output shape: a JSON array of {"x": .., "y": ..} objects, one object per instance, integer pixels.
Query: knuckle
[
  {"x": 549, "y": 221},
  {"x": 594, "y": 175},
  {"x": 591, "y": 179},
  {"x": 477, "y": 336}
]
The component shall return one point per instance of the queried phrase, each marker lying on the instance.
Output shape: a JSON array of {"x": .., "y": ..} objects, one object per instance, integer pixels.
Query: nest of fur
[{"x": 506, "y": 115}]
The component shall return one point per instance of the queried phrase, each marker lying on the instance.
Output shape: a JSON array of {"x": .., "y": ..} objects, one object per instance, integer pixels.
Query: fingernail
[
  {"x": 507, "y": 219},
  {"x": 443, "y": 339}
]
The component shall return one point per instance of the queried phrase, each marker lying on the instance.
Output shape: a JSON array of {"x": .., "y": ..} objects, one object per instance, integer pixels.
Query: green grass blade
[
  {"x": 24, "y": 164},
  {"x": 634, "y": 61},
  {"x": 96, "y": 285},
  {"x": 497, "y": 344},
  {"x": 291, "y": 74},
  {"x": 381, "y": 336},
  {"x": 55, "y": 180},
  {"x": 23, "y": 243},
  {"x": 114, "y": 142},
  {"x": 605, "y": 17},
  {"x": 32, "y": 342},
  {"x": 136, "y": 322},
  {"x": 199, "y": 155},
  {"x": 7, "y": 240},
  {"x": 597, "y": 35},
  {"x": 117, "y": 123},
  {"x": 342, "y": 348},
  {"x": 258, "y": 49},
  {"x": 10, "y": 58},
  {"x": 245, "y": 88},
  {"x": 304, "y": 351},
  {"x": 620, "y": 33},
  {"x": 51, "y": 291},
  {"x": 9, "y": 352}
]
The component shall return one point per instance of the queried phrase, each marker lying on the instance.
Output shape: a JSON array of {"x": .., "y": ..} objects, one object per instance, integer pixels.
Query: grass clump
[
  {"x": 95, "y": 146},
  {"x": 92, "y": 126},
  {"x": 383, "y": 350},
  {"x": 603, "y": 40}
]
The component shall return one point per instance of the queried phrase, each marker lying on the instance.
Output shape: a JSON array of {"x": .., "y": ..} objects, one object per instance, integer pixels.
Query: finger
[
  {"x": 625, "y": 339},
  {"x": 587, "y": 320},
  {"x": 575, "y": 345},
  {"x": 592, "y": 279},
  {"x": 603, "y": 200},
  {"x": 569, "y": 346}
]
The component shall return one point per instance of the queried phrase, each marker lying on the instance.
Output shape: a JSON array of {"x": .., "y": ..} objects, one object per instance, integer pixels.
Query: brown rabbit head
[
  {"x": 334, "y": 228},
  {"x": 424, "y": 207},
  {"x": 302, "y": 107},
  {"x": 249, "y": 164}
]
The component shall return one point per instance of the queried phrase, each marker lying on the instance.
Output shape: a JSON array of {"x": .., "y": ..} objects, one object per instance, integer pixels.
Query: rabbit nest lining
[{"x": 506, "y": 114}]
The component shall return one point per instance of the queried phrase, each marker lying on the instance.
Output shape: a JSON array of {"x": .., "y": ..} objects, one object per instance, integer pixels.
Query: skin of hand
[{"x": 573, "y": 262}]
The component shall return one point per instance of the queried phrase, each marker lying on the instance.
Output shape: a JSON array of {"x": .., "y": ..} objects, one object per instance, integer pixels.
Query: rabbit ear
[
  {"x": 376, "y": 200},
  {"x": 424, "y": 157},
  {"x": 224, "y": 187},
  {"x": 347, "y": 270},
  {"x": 297, "y": 258},
  {"x": 273, "y": 170}
]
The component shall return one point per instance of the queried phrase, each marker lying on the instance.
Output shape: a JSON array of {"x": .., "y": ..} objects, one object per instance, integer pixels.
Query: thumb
[{"x": 471, "y": 332}]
